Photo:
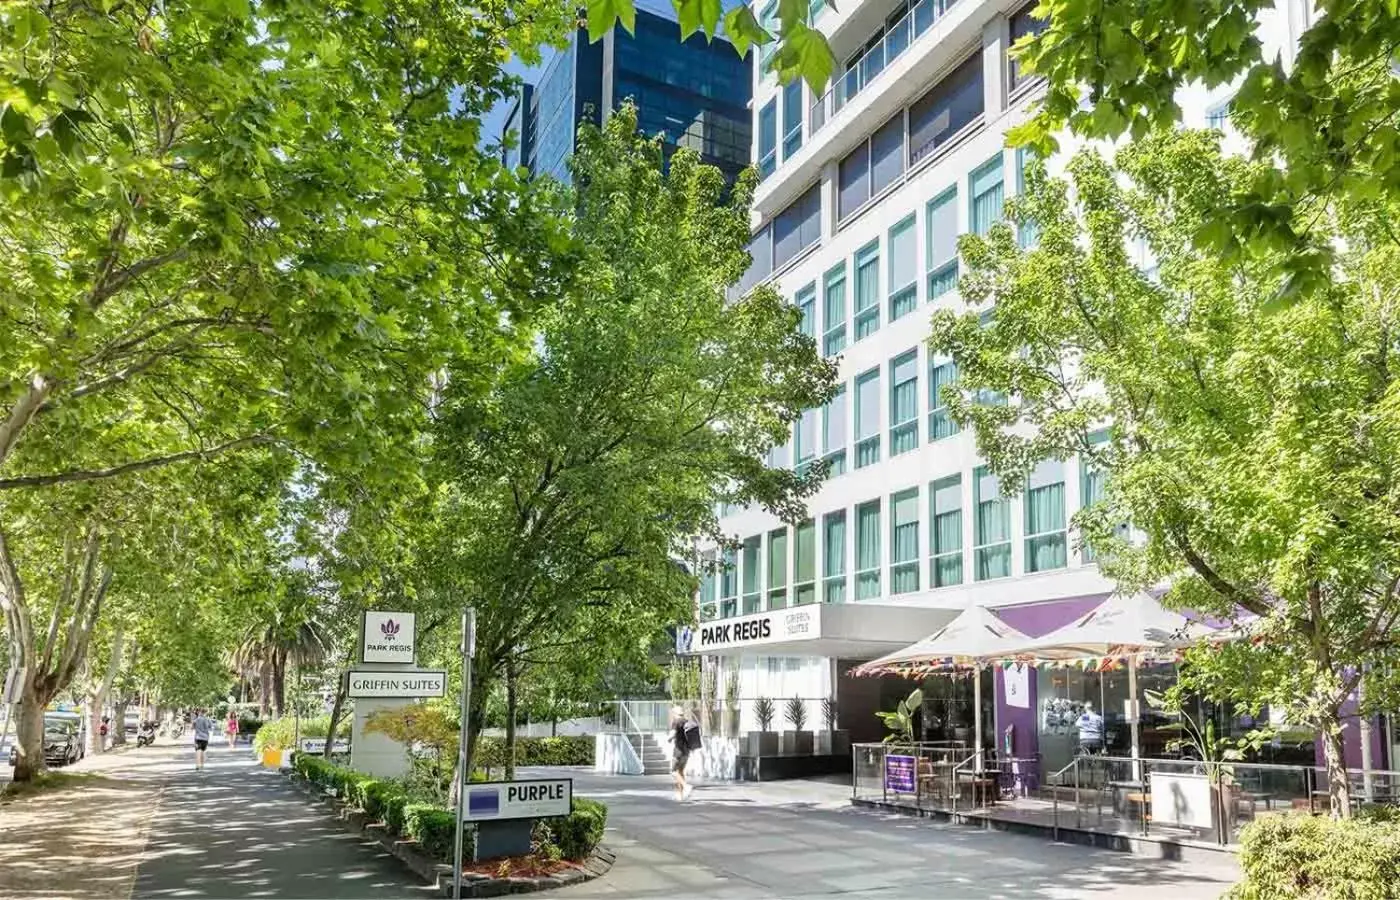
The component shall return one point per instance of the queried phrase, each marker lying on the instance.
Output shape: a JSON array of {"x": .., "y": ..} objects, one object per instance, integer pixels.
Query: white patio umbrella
[
  {"x": 975, "y": 637},
  {"x": 1123, "y": 626}
]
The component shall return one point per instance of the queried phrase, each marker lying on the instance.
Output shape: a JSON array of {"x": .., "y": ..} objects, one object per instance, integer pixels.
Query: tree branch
[{"x": 79, "y": 475}]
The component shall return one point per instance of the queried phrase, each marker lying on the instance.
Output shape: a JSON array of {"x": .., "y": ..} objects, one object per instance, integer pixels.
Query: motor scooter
[{"x": 147, "y": 735}]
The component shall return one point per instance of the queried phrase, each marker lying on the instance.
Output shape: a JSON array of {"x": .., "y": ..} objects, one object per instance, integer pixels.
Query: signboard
[
  {"x": 1016, "y": 685},
  {"x": 318, "y": 745},
  {"x": 899, "y": 774},
  {"x": 499, "y": 801},
  {"x": 387, "y": 637},
  {"x": 410, "y": 684},
  {"x": 795, "y": 624}
]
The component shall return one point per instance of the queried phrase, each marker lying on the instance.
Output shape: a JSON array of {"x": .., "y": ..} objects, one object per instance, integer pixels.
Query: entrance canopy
[
  {"x": 843, "y": 631},
  {"x": 975, "y": 637}
]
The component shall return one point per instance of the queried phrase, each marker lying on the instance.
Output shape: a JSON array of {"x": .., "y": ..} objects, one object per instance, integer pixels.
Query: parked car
[
  {"x": 133, "y": 723},
  {"x": 63, "y": 741}
]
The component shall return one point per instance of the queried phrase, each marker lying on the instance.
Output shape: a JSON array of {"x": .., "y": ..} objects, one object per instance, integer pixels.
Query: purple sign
[{"x": 899, "y": 774}]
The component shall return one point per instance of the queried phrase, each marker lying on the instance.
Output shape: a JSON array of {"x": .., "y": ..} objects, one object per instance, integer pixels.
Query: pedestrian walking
[
  {"x": 231, "y": 729},
  {"x": 685, "y": 737},
  {"x": 203, "y": 729}
]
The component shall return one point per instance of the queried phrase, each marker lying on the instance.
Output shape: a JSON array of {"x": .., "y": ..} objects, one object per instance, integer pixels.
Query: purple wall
[
  {"x": 1351, "y": 741},
  {"x": 1033, "y": 620}
]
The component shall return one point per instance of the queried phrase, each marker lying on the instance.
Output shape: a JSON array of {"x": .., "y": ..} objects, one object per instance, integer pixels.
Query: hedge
[
  {"x": 281, "y": 734},
  {"x": 1304, "y": 856},
  {"x": 431, "y": 826},
  {"x": 573, "y": 750}
]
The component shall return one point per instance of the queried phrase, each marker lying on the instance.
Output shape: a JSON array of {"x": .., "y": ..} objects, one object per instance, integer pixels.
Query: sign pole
[{"x": 463, "y": 777}]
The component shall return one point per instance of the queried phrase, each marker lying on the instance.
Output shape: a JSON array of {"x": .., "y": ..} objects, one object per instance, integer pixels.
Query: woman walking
[{"x": 231, "y": 729}]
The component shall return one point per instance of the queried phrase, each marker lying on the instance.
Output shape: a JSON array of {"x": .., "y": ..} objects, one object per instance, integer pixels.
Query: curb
[{"x": 433, "y": 872}]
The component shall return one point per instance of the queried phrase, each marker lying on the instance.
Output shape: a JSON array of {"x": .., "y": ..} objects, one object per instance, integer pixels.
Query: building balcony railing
[{"x": 873, "y": 63}]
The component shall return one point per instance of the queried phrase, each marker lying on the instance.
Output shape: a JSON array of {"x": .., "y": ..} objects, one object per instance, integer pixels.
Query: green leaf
[
  {"x": 603, "y": 15},
  {"x": 743, "y": 29},
  {"x": 805, "y": 53}
]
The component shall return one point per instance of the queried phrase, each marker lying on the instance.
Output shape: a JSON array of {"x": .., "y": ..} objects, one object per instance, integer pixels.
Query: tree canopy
[{"x": 1252, "y": 449}]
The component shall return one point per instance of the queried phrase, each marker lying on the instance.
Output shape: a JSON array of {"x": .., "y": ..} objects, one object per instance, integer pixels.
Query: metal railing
[
  {"x": 874, "y": 61},
  {"x": 716, "y": 716}
]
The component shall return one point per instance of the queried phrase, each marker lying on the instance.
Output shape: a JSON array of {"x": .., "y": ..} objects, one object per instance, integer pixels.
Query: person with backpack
[{"x": 685, "y": 737}]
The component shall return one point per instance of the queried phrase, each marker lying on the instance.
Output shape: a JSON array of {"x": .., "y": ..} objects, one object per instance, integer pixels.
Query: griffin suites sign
[{"x": 388, "y": 637}]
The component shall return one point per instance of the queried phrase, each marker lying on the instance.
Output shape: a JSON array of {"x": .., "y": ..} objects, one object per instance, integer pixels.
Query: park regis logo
[{"x": 390, "y": 629}]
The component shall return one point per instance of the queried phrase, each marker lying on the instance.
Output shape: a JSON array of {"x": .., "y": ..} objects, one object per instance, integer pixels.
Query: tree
[
  {"x": 570, "y": 493},
  {"x": 1253, "y": 449},
  {"x": 1326, "y": 127},
  {"x": 285, "y": 632}
]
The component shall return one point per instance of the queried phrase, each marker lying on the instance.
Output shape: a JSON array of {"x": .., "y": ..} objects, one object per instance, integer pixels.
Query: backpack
[{"x": 692, "y": 735}]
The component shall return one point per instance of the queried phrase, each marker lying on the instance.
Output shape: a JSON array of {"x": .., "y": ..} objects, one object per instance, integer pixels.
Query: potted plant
[
  {"x": 731, "y": 696},
  {"x": 710, "y": 699},
  {"x": 1215, "y": 755},
  {"x": 798, "y": 741},
  {"x": 833, "y": 741},
  {"x": 763, "y": 742},
  {"x": 900, "y": 721}
]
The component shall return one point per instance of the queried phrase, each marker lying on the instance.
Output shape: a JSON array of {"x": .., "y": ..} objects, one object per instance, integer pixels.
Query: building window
[
  {"x": 797, "y": 227},
  {"x": 868, "y": 550},
  {"x": 940, "y": 423},
  {"x": 992, "y": 549},
  {"x": 1046, "y": 546},
  {"x": 868, "y": 418},
  {"x": 834, "y": 311},
  {"x": 904, "y": 281},
  {"x": 1022, "y": 24},
  {"x": 904, "y": 403},
  {"x": 1219, "y": 117},
  {"x": 780, "y": 457},
  {"x": 792, "y": 117},
  {"x": 806, "y": 440},
  {"x": 945, "y": 531},
  {"x": 1093, "y": 488},
  {"x": 986, "y": 208},
  {"x": 987, "y": 396},
  {"x": 768, "y": 139},
  {"x": 853, "y": 181},
  {"x": 834, "y": 557},
  {"x": 887, "y": 154},
  {"x": 804, "y": 586},
  {"x": 753, "y": 577},
  {"x": 949, "y": 106},
  {"x": 768, "y": 21},
  {"x": 904, "y": 542},
  {"x": 806, "y": 303},
  {"x": 942, "y": 226},
  {"x": 1027, "y": 233},
  {"x": 728, "y": 586},
  {"x": 761, "y": 259},
  {"x": 867, "y": 306},
  {"x": 834, "y": 433},
  {"x": 709, "y": 607},
  {"x": 777, "y": 568}
]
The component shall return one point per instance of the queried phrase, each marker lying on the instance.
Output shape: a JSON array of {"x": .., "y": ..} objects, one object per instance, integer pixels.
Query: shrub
[
  {"x": 395, "y": 805},
  {"x": 579, "y": 832},
  {"x": 435, "y": 828},
  {"x": 1302, "y": 856},
  {"x": 281, "y": 734},
  {"x": 573, "y": 750}
]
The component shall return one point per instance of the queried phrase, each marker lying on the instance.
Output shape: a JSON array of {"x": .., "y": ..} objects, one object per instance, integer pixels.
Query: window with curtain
[
  {"x": 806, "y": 303},
  {"x": 806, "y": 439},
  {"x": 1027, "y": 233},
  {"x": 987, "y": 396},
  {"x": 728, "y": 585},
  {"x": 709, "y": 597},
  {"x": 804, "y": 579},
  {"x": 834, "y": 557},
  {"x": 886, "y": 153},
  {"x": 946, "y": 109},
  {"x": 777, "y": 568},
  {"x": 761, "y": 259},
  {"x": 834, "y": 419},
  {"x": 904, "y": 542},
  {"x": 1044, "y": 506},
  {"x": 867, "y": 300},
  {"x": 1022, "y": 24},
  {"x": 792, "y": 117},
  {"x": 986, "y": 188},
  {"x": 868, "y": 550},
  {"x": 992, "y": 528},
  {"x": 903, "y": 266},
  {"x": 942, "y": 245},
  {"x": 1093, "y": 488},
  {"x": 753, "y": 580},
  {"x": 868, "y": 418},
  {"x": 780, "y": 457},
  {"x": 853, "y": 181},
  {"x": 945, "y": 532},
  {"x": 941, "y": 374},
  {"x": 768, "y": 139},
  {"x": 798, "y": 226},
  {"x": 904, "y": 403},
  {"x": 768, "y": 21},
  {"x": 834, "y": 311}
]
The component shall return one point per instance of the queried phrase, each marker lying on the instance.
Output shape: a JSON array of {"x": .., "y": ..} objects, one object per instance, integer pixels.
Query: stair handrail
[{"x": 637, "y": 730}]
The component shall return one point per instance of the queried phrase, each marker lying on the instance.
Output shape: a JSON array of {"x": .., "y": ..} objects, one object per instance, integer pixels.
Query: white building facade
[{"x": 865, "y": 192}]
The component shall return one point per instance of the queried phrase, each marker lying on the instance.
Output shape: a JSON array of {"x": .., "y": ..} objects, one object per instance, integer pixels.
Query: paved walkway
[{"x": 802, "y": 838}]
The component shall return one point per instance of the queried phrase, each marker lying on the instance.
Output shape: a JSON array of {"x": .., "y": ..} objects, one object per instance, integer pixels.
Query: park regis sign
[
  {"x": 417, "y": 683},
  {"x": 498, "y": 801},
  {"x": 388, "y": 637}
]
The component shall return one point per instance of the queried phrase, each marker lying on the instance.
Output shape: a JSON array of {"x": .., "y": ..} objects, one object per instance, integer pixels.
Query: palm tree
[{"x": 284, "y": 637}]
